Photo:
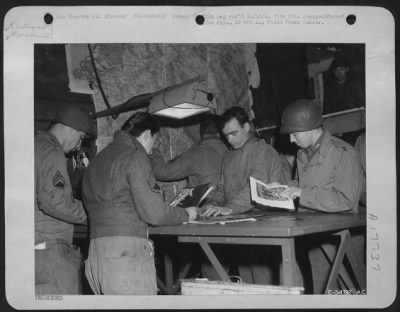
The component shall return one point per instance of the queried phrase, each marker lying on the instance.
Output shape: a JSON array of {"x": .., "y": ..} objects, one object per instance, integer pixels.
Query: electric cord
[{"x": 114, "y": 116}]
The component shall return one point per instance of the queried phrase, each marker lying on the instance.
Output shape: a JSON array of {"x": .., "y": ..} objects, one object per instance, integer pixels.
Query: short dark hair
[
  {"x": 140, "y": 122},
  {"x": 209, "y": 125},
  {"x": 237, "y": 113},
  {"x": 340, "y": 61}
]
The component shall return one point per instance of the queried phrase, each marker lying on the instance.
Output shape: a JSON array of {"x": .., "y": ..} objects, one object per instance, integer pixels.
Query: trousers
[
  {"x": 58, "y": 269},
  {"x": 319, "y": 252},
  {"x": 121, "y": 265}
]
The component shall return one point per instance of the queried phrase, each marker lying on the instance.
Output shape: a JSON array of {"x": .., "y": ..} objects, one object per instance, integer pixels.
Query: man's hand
[
  {"x": 273, "y": 184},
  {"x": 192, "y": 213},
  {"x": 213, "y": 211},
  {"x": 292, "y": 192}
]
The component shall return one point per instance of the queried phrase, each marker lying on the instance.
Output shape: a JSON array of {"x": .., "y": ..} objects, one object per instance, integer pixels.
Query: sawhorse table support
[{"x": 345, "y": 249}]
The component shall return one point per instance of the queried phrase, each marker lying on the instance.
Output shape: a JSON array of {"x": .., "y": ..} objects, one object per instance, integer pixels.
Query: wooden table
[{"x": 273, "y": 228}]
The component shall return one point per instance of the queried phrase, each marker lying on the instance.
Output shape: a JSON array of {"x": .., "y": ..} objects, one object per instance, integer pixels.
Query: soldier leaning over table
[
  {"x": 123, "y": 200},
  {"x": 200, "y": 164},
  {"x": 249, "y": 156},
  {"x": 329, "y": 177}
]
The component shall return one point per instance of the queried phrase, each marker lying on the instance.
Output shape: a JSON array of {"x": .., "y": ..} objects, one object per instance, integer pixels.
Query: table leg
[
  {"x": 214, "y": 261},
  {"x": 343, "y": 279},
  {"x": 289, "y": 262},
  {"x": 161, "y": 286},
  {"x": 345, "y": 249},
  {"x": 357, "y": 266},
  {"x": 169, "y": 275}
]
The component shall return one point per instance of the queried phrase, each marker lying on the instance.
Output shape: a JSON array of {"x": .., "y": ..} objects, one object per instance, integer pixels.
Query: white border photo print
[{"x": 25, "y": 26}]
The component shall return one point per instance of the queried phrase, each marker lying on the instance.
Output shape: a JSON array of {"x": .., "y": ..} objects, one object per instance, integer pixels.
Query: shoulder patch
[
  {"x": 58, "y": 180},
  {"x": 340, "y": 144}
]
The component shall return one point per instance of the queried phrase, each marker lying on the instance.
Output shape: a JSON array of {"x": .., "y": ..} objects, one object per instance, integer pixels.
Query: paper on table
[{"x": 221, "y": 220}]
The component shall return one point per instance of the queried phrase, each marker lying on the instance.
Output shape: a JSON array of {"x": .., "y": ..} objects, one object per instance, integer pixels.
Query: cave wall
[{"x": 128, "y": 70}]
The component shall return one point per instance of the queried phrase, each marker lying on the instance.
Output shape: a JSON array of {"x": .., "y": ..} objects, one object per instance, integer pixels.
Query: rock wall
[{"x": 128, "y": 70}]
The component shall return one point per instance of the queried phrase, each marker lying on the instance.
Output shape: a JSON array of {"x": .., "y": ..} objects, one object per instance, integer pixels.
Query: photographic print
[{"x": 270, "y": 195}]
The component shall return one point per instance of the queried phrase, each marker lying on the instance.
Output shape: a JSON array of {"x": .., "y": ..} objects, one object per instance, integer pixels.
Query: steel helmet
[
  {"x": 301, "y": 115},
  {"x": 75, "y": 117}
]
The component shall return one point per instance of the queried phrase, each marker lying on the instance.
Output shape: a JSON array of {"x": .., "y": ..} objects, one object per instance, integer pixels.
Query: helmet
[
  {"x": 75, "y": 117},
  {"x": 301, "y": 115}
]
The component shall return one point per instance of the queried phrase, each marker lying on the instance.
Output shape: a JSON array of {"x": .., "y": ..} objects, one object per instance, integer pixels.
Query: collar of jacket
[
  {"x": 123, "y": 137},
  {"x": 252, "y": 139},
  {"x": 210, "y": 138},
  {"x": 315, "y": 147},
  {"x": 52, "y": 138},
  {"x": 322, "y": 151}
]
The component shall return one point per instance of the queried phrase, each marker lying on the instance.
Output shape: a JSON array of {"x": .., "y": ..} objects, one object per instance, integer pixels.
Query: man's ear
[
  {"x": 147, "y": 134},
  {"x": 143, "y": 136},
  {"x": 246, "y": 127},
  {"x": 69, "y": 130}
]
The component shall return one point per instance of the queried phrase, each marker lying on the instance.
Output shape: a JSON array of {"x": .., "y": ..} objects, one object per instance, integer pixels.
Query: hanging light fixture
[
  {"x": 177, "y": 101},
  {"x": 182, "y": 100}
]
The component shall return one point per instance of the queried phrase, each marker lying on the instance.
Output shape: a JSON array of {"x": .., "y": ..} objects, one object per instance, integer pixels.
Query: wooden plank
[
  {"x": 169, "y": 275},
  {"x": 308, "y": 224},
  {"x": 338, "y": 262},
  {"x": 289, "y": 262},
  {"x": 214, "y": 261},
  {"x": 357, "y": 266},
  {"x": 232, "y": 240}
]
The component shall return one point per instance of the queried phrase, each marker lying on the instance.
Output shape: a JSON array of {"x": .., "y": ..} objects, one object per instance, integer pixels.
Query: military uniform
[
  {"x": 122, "y": 200},
  {"x": 255, "y": 158},
  {"x": 258, "y": 159},
  {"x": 57, "y": 262},
  {"x": 331, "y": 179},
  {"x": 200, "y": 164},
  {"x": 339, "y": 97}
]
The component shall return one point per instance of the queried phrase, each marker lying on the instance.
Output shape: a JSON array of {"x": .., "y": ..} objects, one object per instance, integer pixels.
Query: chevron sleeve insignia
[{"x": 58, "y": 180}]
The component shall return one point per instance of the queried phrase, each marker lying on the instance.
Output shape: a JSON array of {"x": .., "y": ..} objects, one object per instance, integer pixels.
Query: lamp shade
[{"x": 182, "y": 100}]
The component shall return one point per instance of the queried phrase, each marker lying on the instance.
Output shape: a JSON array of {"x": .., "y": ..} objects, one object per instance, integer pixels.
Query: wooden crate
[{"x": 191, "y": 287}]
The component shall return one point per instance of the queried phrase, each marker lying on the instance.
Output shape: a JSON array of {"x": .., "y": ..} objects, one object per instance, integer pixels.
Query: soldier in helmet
[
  {"x": 57, "y": 261},
  {"x": 328, "y": 177}
]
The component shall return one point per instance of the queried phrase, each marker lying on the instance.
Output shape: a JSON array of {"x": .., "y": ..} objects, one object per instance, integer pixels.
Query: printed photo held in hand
[
  {"x": 192, "y": 196},
  {"x": 270, "y": 194}
]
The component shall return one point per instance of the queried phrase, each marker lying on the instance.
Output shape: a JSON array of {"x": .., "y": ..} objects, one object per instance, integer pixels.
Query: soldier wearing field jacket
[
  {"x": 329, "y": 177},
  {"x": 57, "y": 261},
  {"x": 122, "y": 200}
]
